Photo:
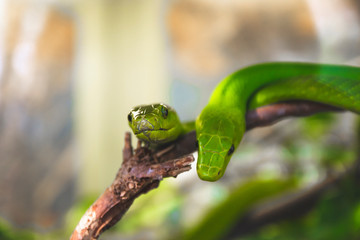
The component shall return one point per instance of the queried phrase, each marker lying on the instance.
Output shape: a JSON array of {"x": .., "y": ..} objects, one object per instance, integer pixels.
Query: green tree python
[{"x": 221, "y": 124}]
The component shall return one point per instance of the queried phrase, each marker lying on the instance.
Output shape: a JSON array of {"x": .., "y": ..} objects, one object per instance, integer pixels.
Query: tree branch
[
  {"x": 268, "y": 115},
  {"x": 140, "y": 172},
  {"x": 143, "y": 169}
]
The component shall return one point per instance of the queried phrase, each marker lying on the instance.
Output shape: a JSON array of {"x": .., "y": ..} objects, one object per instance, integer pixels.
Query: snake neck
[{"x": 188, "y": 126}]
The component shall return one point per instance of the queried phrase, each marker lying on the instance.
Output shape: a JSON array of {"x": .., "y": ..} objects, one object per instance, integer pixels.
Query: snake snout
[
  {"x": 209, "y": 173},
  {"x": 145, "y": 125}
]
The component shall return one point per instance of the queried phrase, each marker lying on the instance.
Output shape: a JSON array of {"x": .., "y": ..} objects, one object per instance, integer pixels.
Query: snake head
[
  {"x": 155, "y": 123},
  {"x": 219, "y": 132},
  {"x": 213, "y": 156}
]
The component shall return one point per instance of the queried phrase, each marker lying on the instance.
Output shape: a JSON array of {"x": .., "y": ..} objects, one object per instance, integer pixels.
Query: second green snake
[{"x": 221, "y": 124}]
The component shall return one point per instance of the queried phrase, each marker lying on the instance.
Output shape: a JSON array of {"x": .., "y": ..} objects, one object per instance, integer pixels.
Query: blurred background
[{"x": 70, "y": 71}]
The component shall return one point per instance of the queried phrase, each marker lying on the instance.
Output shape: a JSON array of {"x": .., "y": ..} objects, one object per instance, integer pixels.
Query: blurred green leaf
[
  {"x": 221, "y": 217},
  {"x": 317, "y": 125},
  {"x": 7, "y": 232},
  {"x": 153, "y": 210},
  {"x": 336, "y": 216}
]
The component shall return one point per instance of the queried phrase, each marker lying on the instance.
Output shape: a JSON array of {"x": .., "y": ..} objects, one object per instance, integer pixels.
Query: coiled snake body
[{"x": 221, "y": 124}]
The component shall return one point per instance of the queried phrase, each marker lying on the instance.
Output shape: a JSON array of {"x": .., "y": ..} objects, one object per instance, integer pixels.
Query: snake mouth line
[{"x": 151, "y": 130}]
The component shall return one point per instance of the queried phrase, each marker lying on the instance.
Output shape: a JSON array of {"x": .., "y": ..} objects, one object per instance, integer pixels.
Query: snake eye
[
  {"x": 129, "y": 117},
  {"x": 231, "y": 150},
  {"x": 164, "y": 112}
]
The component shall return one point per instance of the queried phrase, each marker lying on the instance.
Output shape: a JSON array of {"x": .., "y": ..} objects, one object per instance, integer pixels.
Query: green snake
[{"x": 221, "y": 124}]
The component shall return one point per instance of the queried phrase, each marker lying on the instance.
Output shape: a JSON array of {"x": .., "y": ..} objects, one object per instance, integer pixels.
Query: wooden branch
[
  {"x": 140, "y": 172},
  {"x": 271, "y": 114},
  {"x": 142, "y": 169}
]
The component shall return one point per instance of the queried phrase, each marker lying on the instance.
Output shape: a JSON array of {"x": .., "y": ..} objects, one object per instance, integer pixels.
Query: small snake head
[
  {"x": 155, "y": 123},
  {"x": 219, "y": 132}
]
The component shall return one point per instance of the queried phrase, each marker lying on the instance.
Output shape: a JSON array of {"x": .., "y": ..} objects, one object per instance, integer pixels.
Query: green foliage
[
  {"x": 158, "y": 209},
  {"x": 317, "y": 125},
  {"x": 335, "y": 216},
  {"x": 222, "y": 216},
  {"x": 9, "y": 233},
  {"x": 316, "y": 150}
]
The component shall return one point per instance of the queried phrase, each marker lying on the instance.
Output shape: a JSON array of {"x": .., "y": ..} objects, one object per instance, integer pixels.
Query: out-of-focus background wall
[
  {"x": 71, "y": 70},
  {"x": 36, "y": 139}
]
